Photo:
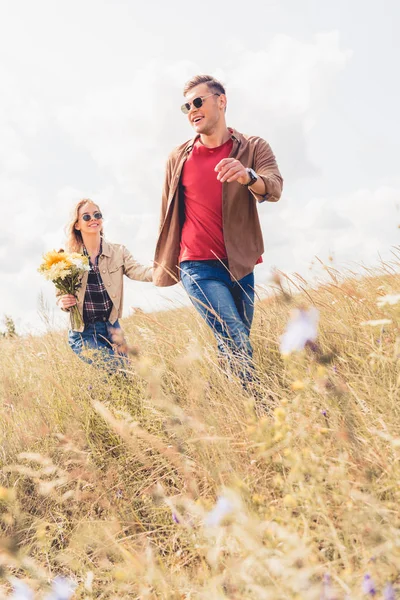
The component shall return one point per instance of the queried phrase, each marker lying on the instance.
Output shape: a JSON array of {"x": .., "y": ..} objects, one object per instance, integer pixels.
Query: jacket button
[
  {"x": 109, "y": 283},
  {"x": 104, "y": 270},
  {"x": 113, "y": 295}
]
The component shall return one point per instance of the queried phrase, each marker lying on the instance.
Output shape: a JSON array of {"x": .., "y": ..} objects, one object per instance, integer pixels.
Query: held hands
[
  {"x": 230, "y": 169},
  {"x": 66, "y": 301}
]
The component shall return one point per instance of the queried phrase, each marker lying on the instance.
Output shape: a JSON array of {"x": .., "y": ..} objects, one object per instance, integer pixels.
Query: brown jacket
[
  {"x": 241, "y": 225},
  {"x": 115, "y": 261}
]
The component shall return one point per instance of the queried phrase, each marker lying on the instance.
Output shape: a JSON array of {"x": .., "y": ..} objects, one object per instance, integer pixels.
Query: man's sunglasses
[
  {"x": 97, "y": 215},
  {"x": 197, "y": 103}
]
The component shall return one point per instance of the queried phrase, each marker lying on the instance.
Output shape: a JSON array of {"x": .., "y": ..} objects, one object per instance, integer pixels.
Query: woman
[{"x": 100, "y": 295}]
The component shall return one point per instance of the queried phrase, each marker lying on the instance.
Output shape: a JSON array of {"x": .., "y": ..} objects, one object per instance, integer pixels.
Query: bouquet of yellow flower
[{"x": 65, "y": 269}]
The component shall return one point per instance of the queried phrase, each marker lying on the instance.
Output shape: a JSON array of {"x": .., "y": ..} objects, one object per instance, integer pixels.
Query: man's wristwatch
[{"x": 253, "y": 177}]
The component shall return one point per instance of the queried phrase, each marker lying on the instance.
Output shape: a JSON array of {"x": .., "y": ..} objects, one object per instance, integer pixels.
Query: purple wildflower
[
  {"x": 20, "y": 590},
  {"x": 368, "y": 586},
  {"x": 222, "y": 508},
  {"x": 89, "y": 387},
  {"x": 119, "y": 494},
  {"x": 326, "y": 587},
  {"x": 388, "y": 592},
  {"x": 324, "y": 412},
  {"x": 301, "y": 330},
  {"x": 175, "y": 519},
  {"x": 62, "y": 589}
]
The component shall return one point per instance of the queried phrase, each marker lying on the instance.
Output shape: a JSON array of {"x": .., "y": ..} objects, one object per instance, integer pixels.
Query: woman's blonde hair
[{"x": 74, "y": 236}]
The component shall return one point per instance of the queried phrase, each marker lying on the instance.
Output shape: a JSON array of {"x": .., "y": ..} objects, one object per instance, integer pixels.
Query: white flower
[
  {"x": 388, "y": 299},
  {"x": 377, "y": 322},
  {"x": 77, "y": 262},
  {"x": 301, "y": 328},
  {"x": 21, "y": 590},
  {"x": 62, "y": 589},
  {"x": 80, "y": 263},
  {"x": 59, "y": 270},
  {"x": 222, "y": 508}
]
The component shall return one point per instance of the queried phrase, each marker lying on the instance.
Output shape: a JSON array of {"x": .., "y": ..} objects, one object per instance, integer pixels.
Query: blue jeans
[
  {"x": 98, "y": 337},
  {"x": 227, "y": 307}
]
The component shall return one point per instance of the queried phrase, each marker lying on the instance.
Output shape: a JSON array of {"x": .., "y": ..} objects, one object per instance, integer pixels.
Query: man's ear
[{"x": 223, "y": 101}]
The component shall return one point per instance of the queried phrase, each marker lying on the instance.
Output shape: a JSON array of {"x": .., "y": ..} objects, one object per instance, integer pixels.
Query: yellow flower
[
  {"x": 120, "y": 574},
  {"x": 53, "y": 257},
  {"x": 7, "y": 494},
  {"x": 297, "y": 385},
  {"x": 277, "y": 480},
  {"x": 279, "y": 413},
  {"x": 289, "y": 501},
  {"x": 258, "y": 499},
  {"x": 278, "y": 437}
]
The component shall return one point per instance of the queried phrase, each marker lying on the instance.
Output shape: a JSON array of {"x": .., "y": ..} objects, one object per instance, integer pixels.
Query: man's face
[{"x": 205, "y": 119}]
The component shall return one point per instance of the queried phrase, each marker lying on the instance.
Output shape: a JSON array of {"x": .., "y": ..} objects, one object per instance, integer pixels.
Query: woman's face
[{"x": 92, "y": 224}]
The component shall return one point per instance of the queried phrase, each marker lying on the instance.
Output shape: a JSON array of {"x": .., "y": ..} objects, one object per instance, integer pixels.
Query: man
[{"x": 210, "y": 236}]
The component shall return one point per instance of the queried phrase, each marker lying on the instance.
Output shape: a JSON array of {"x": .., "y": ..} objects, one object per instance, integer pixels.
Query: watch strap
[{"x": 253, "y": 177}]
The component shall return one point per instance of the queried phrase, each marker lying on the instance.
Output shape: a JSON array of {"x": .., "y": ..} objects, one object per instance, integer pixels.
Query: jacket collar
[
  {"x": 235, "y": 136},
  {"x": 106, "y": 248}
]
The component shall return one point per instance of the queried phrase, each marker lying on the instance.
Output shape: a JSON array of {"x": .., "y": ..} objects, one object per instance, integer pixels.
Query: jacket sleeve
[
  {"x": 165, "y": 191},
  {"x": 134, "y": 270},
  {"x": 266, "y": 167}
]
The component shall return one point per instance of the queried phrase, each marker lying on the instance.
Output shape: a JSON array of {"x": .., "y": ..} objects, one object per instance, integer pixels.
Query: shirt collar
[
  {"x": 235, "y": 136},
  {"x": 104, "y": 249}
]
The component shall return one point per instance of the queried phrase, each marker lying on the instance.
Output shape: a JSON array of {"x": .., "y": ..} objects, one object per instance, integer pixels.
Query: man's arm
[
  {"x": 269, "y": 180},
  {"x": 268, "y": 173}
]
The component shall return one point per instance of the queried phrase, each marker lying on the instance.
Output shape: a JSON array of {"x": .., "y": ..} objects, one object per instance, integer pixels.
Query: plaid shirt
[{"x": 97, "y": 303}]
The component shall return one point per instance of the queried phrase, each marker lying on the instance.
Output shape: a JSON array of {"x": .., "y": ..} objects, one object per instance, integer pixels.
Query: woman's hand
[{"x": 66, "y": 301}]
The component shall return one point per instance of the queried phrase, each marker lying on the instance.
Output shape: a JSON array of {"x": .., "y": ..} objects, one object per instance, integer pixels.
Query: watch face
[{"x": 253, "y": 175}]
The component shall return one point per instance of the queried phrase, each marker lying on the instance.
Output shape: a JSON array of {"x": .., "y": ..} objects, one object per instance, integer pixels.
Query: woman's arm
[{"x": 134, "y": 270}]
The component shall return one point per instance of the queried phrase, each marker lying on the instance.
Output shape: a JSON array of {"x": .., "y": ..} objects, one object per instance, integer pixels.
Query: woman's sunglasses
[
  {"x": 97, "y": 215},
  {"x": 197, "y": 103}
]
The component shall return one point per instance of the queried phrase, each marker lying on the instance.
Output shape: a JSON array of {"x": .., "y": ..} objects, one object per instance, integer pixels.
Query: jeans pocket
[{"x": 198, "y": 269}]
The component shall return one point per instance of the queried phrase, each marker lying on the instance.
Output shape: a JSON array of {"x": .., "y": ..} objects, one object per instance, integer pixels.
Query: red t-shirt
[{"x": 202, "y": 233}]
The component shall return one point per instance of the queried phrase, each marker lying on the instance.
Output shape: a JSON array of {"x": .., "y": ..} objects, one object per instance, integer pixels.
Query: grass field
[{"x": 165, "y": 484}]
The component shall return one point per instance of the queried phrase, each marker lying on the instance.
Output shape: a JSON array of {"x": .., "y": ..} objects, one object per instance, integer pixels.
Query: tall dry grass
[{"x": 113, "y": 481}]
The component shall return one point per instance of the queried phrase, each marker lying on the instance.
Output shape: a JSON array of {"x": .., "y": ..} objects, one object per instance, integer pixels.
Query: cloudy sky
[{"x": 90, "y": 92}]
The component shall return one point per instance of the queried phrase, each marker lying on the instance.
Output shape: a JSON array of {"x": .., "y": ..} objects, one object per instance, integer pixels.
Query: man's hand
[{"x": 230, "y": 169}]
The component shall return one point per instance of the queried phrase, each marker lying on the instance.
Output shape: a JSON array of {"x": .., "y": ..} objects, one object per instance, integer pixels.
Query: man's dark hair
[{"x": 214, "y": 85}]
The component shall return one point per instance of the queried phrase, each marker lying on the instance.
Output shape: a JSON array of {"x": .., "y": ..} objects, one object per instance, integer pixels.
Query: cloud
[
  {"x": 355, "y": 227},
  {"x": 129, "y": 128},
  {"x": 293, "y": 75},
  {"x": 100, "y": 125}
]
